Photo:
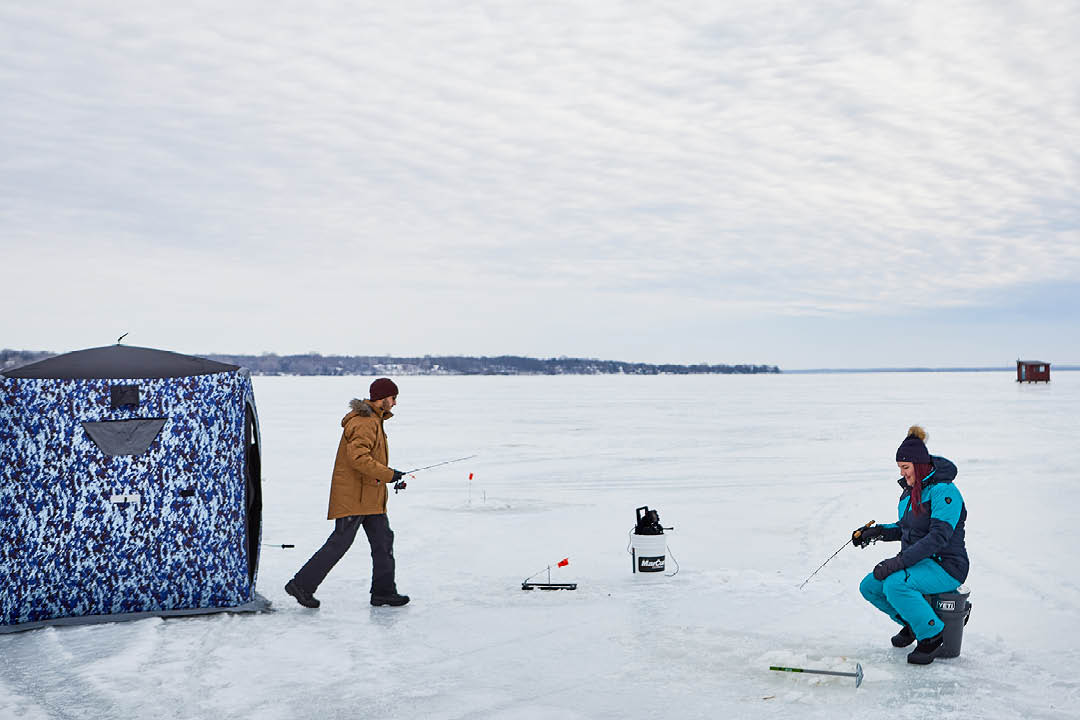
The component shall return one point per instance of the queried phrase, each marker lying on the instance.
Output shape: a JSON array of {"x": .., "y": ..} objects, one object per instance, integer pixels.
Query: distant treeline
[{"x": 315, "y": 364}]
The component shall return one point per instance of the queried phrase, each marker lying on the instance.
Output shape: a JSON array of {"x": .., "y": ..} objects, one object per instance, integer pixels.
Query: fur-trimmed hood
[{"x": 363, "y": 408}]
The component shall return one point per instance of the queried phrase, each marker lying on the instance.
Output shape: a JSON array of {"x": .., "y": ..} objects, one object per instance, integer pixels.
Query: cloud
[{"x": 757, "y": 160}]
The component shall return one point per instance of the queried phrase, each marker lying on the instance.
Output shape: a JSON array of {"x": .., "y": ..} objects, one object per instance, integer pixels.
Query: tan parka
[{"x": 360, "y": 476}]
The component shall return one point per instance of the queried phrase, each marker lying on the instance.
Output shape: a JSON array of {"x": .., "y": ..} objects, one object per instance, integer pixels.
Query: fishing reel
[
  {"x": 399, "y": 485},
  {"x": 867, "y": 535}
]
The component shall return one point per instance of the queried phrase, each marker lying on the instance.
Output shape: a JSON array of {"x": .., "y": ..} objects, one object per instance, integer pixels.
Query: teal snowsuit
[{"x": 932, "y": 552}]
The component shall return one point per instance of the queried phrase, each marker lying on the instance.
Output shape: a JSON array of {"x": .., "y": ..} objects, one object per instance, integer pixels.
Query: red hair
[{"x": 922, "y": 471}]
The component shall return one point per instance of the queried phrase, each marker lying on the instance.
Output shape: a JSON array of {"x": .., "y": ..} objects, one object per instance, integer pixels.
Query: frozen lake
[{"x": 763, "y": 477}]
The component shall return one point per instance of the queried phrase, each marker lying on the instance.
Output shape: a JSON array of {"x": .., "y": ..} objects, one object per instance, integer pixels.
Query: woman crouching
[{"x": 932, "y": 556}]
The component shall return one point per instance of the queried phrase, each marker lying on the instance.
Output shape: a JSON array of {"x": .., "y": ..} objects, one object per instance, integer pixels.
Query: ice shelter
[
  {"x": 130, "y": 486},
  {"x": 1032, "y": 371}
]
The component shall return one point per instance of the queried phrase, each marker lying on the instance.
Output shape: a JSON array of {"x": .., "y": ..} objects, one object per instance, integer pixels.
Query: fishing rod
[
  {"x": 401, "y": 485},
  {"x": 858, "y": 533},
  {"x": 445, "y": 462}
]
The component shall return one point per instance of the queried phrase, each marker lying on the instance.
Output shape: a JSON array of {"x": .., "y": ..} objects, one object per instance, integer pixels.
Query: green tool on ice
[{"x": 857, "y": 674}]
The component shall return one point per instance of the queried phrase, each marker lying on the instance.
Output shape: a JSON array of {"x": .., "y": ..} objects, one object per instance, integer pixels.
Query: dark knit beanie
[
  {"x": 382, "y": 388},
  {"x": 913, "y": 449}
]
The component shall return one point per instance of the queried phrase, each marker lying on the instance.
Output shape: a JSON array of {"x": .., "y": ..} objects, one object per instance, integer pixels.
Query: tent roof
[{"x": 117, "y": 362}]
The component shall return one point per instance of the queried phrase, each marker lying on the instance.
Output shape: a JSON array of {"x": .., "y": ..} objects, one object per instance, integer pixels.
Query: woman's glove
[
  {"x": 861, "y": 537},
  {"x": 885, "y": 568}
]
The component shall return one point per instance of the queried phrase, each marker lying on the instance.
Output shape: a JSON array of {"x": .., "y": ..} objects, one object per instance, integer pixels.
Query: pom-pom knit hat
[{"x": 913, "y": 449}]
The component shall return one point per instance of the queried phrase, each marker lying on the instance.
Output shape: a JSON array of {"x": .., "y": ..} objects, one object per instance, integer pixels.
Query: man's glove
[
  {"x": 861, "y": 537},
  {"x": 885, "y": 568},
  {"x": 397, "y": 475}
]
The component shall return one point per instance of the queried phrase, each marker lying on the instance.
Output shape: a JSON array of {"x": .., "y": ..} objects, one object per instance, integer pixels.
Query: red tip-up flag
[
  {"x": 564, "y": 562},
  {"x": 470, "y": 476}
]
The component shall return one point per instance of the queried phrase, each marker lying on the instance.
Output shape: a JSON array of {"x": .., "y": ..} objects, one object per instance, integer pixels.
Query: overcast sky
[{"x": 807, "y": 184}]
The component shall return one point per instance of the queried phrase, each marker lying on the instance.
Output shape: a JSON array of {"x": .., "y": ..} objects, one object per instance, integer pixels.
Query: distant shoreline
[{"x": 314, "y": 364}]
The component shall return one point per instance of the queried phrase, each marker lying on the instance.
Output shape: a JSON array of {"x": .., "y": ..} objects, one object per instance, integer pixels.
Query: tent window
[
  {"x": 121, "y": 395},
  {"x": 124, "y": 437}
]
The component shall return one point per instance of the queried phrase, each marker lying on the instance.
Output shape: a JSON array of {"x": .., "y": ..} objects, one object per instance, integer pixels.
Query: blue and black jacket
[{"x": 937, "y": 532}]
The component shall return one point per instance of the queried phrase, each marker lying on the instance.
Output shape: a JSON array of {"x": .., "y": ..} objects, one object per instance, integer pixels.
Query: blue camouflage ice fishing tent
[{"x": 129, "y": 486}]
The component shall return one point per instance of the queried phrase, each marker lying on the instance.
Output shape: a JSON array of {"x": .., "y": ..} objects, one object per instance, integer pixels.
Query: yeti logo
[
  {"x": 651, "y": 564},
  {"x": 947, "y": 605}
]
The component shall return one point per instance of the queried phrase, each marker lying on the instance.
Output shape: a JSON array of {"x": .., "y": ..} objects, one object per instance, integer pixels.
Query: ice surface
[{"x": 763, "y": 478}]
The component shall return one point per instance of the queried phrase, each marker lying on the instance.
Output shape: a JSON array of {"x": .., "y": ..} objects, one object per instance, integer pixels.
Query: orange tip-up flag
[{"x": 564, "y": 562}]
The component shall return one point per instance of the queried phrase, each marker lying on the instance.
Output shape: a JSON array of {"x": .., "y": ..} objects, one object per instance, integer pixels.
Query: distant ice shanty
[
  {"x": 1032, "y": 371},
  {"x": 130, "y": 486}
]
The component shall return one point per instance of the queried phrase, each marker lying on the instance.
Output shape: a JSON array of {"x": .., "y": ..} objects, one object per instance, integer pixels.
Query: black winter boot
[
  {"x": 302, "y": 596},
  {"x": 903, "y": 638},
  {"x": 394, "y": 600},
  {"x": 928, "y": 649}
]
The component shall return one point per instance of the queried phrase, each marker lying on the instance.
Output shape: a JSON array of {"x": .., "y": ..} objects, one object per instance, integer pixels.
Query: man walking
[{"x": 358, "y": 497}]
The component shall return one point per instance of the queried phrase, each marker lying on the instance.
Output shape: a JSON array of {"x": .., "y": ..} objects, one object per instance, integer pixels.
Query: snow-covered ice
[{"x": 763, "y": 478}]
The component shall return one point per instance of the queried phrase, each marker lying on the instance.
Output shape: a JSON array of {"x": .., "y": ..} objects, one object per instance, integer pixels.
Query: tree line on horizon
[{"x": 316, "y": 364}]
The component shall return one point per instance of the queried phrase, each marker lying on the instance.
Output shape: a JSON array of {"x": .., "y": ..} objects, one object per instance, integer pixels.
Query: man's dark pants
[{"x": 381, "y": 539}]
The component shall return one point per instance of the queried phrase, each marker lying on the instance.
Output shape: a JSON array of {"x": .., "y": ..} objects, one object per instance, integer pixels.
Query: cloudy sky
[{"x": 809, "y": 184}]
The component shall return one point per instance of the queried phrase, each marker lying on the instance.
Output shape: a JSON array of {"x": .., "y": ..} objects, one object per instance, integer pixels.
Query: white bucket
[{"x": 649, "y": 553}]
